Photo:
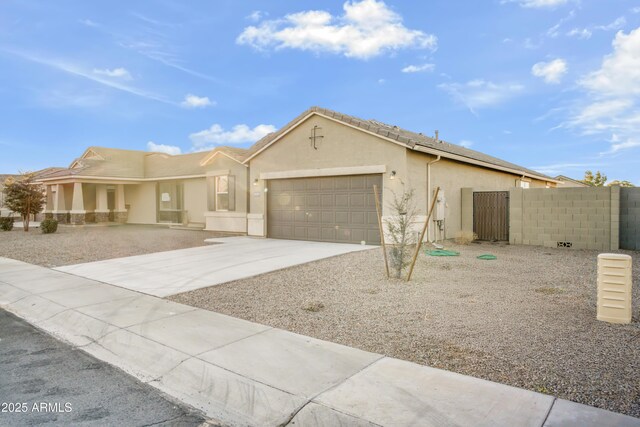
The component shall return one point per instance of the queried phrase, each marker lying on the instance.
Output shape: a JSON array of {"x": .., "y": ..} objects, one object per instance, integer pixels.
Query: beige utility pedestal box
[{"x": 614, "y": 288}]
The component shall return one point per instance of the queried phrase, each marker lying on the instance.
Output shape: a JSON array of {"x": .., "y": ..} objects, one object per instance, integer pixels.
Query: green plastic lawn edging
[
  {"x": 442, "y": 252},
  {"x": 487, "y": 257}
]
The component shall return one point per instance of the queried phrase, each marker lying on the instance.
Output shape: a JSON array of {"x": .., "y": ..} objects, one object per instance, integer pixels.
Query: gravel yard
[
  {"x": 74, "y": 245},
  {"x": 526, "y": 319}
]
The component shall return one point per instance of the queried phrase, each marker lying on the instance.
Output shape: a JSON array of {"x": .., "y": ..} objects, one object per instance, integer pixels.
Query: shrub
[
  {"x": 49, "y": 226},
  {"x": 6, "y": 223},
  {"x": 400, "y": 227}
]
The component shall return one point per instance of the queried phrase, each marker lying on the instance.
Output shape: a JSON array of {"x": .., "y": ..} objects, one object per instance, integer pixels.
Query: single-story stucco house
[{"x": 312, "y": 180}]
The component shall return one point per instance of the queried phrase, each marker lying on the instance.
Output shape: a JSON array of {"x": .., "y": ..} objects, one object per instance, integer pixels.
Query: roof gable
[{"x": 394, "y": 134}]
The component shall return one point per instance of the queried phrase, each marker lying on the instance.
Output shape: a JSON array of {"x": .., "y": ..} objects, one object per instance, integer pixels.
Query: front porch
[{"x": 79, "y": 203}]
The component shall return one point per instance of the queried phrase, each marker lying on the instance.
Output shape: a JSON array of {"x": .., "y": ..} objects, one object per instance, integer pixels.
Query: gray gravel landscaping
[
  {"x": 527, "y": 319},
  {"x": 74, "y": 245}
]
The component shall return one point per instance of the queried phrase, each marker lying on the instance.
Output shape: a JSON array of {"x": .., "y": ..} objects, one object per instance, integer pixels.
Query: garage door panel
[
  {"x": 342, "y": 201},
  {"x": 356, "y": 200},
  {"x": 358, "y": 183},
  {"x": 313, "y": 200},
  {"x": 334, "y": 209},
  {"x": 342, "y": 218},
  {"x": 358, "y": 218}
]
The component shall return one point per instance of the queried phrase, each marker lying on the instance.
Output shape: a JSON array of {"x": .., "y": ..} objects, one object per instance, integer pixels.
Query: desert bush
[
  {"x": 49, "y": 226},
  {"x": 465, "y": 237},
  {"x": 6, "y": 223},
  {"x": 400, "y": 227}
]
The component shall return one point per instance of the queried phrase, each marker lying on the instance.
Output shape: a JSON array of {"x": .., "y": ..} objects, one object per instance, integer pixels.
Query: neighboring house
[
  {"x": 312, "y": 180},
  {"x": 3, "y": 210},
  {"x": 565, "y": 181}
]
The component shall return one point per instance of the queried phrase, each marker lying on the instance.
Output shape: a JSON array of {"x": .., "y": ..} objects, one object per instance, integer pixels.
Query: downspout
[{"x": 437, "y": 159}]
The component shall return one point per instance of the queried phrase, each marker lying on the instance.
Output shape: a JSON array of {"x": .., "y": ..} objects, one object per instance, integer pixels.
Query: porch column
[
  {"x": 102, "y": 208},
  {"x": 59, "y": 204},
  {"x": 48, "y": 210},
  {"x": 77, "y": 205},
  {"x": 120, "y": 213}
]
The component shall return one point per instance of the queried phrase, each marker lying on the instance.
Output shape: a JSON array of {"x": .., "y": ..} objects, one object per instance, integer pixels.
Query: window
[
  {"x": 222, "y": 193},
  {"x": 524, "y": 184}
]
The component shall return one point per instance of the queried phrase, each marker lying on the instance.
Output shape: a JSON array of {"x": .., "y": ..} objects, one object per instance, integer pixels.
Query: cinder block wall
[
  {"x": 585, "y": 217},
  {"x": 630, "y": 218}
]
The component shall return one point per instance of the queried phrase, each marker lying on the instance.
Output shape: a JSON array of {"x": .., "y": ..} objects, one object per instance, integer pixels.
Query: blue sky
[{"x": 553, "y": 85}]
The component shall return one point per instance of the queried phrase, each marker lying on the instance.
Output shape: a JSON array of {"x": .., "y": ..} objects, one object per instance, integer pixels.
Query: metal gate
[
  {"x": 630, "y": 218},
  {"x": 491, "y": 215}
]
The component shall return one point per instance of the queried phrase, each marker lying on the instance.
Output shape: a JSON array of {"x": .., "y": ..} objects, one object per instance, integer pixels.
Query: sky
[{"x": 552, "y": 85}]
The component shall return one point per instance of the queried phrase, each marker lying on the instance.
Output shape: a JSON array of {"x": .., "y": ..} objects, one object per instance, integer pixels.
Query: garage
[{"x": 329, "y": 209}]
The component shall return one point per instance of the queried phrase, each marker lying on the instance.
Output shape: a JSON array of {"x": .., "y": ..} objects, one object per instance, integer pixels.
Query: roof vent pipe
[{"x": 437, "y": 137}]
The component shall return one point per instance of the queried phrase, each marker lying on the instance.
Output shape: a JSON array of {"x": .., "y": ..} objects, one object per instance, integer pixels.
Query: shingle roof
[
  {"x": 135, "y": 164},
  {"x": 406, "y": 137},
  {"x": 119, "y": 163}
]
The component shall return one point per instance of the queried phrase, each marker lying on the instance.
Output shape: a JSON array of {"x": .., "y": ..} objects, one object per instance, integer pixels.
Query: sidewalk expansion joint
[{"x": 549, "y": 411}]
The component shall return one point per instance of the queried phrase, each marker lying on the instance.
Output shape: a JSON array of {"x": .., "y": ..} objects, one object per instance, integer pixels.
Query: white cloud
[
  {"x": 162, "y": 148},
  {"x": 381, "y": 81},
  {"x": 477, "y": 94},
  {"x": 120, "y": 73},
  {"x": 581, "y": 33},
  {"x": 614, "y": 26},
  {"x": 193, "y": 101},
  {"x": 367, "y": 28},
  {"x": 465, "y": 143},
  {"x": 418, "y": 68},
  {"x": 550, "y": 72},
  {"x": 537, "y": 3},
  {"x": 610, "y": 106},
  {"x": 635, "y": 9},
  {"x": 586, "y": 33},
  {"x": 256, "y": 15},
  {"x": 77, "y": 71},
  {"x": 239, "y": 134}
]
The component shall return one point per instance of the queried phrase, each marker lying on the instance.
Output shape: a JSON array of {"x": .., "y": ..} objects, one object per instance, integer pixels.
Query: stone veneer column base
[
  {"x": 120, "y": 216},
  {"x": 78, "y": 218},
  {"x": 48, "y": 215},
  {"x": 90, "y": 217},
  {"x": 102, "y": 216},
  {"x": 61, "y": 217}
]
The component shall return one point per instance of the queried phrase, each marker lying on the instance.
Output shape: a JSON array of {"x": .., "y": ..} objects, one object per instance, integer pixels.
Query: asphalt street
[{"x": 44, "y": 381}]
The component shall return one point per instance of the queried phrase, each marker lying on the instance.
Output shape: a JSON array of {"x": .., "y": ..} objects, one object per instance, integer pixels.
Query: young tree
[
  {"x": 597, "y": 180},
  {"x": 24, "y": 196},
  {"x": 401, "y": 232}
]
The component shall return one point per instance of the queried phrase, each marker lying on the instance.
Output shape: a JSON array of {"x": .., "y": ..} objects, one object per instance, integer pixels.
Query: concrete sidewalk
[
  {"x": 172, "y": 272},
  {"x": 243, "y": 373}
]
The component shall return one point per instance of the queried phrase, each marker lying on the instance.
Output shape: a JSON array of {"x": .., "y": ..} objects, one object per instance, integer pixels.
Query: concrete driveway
[{"x": 231, "y": 258}]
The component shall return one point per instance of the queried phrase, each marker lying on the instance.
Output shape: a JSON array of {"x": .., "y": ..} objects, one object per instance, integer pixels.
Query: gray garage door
[{"x": 328, "y": 209}]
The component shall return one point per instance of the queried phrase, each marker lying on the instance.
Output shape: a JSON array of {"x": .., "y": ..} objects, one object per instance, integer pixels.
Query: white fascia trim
[
  {"x": 67, "y": 180},
  {"x": 211, "y": 156},
  {"x": 305, "y": 173},
  {"x": 328, "y": 118},
  {"x": 481, "y": 163}
]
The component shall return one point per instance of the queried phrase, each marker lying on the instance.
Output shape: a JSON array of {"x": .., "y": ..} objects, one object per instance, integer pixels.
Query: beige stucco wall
[
  {"x": 585, "y": 217},
  {"x": 452, "y": 177},
  {"x": 89, "y": 197},
  {"x": 195, "y": 199},
  {"x": 141, "y": 199},
  {"x": 340, "y": 147}
]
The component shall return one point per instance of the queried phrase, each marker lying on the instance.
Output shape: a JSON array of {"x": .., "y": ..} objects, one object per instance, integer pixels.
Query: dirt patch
[
  {"x": 527, "y": 319},
  {"x": 74, "y": 245}
]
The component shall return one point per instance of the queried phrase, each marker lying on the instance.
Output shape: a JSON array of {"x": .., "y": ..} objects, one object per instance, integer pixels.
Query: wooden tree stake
[{"x": 424, "y": 230}]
